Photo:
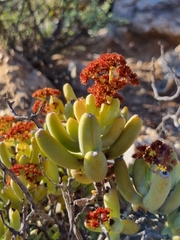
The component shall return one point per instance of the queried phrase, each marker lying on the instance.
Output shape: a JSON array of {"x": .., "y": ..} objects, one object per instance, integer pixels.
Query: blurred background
[{"x": 52, "y": 33}]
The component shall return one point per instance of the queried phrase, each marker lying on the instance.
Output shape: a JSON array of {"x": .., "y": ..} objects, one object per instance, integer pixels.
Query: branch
[
  {"x": 66, "y": 194},
  {"x": 175, "y": 76},
  {"x": 19, "y": 183},
  {"x": 14, "y": 232},
  {"x": 32, "y": 117},
  {"x": 174, "y": 117}
]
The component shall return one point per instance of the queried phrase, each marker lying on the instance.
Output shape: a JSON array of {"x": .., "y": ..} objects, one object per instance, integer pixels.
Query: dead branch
[
  {"x": 174, "y": 117},
  {"x": 32, "y": 117}
]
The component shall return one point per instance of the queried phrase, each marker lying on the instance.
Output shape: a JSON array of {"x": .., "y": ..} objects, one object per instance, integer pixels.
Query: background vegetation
[{"x": 42, "y": 28}]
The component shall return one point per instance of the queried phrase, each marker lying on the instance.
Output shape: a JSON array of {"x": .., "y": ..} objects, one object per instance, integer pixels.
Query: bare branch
[
  {"x": 176, "y": 78},
  {"x": 15, "y": 232},
  {"x": 32, "y": 117},
  {"x": 156, "y": 95},
  {"x": 174, "y": 117},
  {"x": 66, "y": 194},
  {"x": 19, "y": 183}
]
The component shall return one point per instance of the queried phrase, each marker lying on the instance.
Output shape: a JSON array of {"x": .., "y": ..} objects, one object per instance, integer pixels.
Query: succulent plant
[{"x": 78, "y": 146}]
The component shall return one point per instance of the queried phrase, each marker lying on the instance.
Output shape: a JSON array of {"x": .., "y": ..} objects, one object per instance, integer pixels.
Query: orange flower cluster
[
  {"x": 110, "y": 74},
  {"x": 20, "y": 131},
  {"x": 96, "y": 218},
  {"x": 159, "y": 154},
  {"x": 31, "y": 172}
]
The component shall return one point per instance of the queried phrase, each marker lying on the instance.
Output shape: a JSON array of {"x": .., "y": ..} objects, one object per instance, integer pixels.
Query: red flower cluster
[
  {"x": 20, "y": 130},
  {"x": 110, "y": 74},
  {"x": 31, "y": 172},
  {"x": 96, "y": 218},
  {"x": 159, "y": 154}
]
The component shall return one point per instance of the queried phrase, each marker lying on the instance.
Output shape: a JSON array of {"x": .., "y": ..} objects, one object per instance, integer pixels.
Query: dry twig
[{"x": 174, "y": 117}]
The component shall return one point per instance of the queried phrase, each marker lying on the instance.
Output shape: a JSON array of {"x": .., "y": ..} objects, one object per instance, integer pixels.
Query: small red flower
[
  {"x": 97, "y": 217},
  {"x": 159, "y": 154},
  {"x": 110, "y": 74}
]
